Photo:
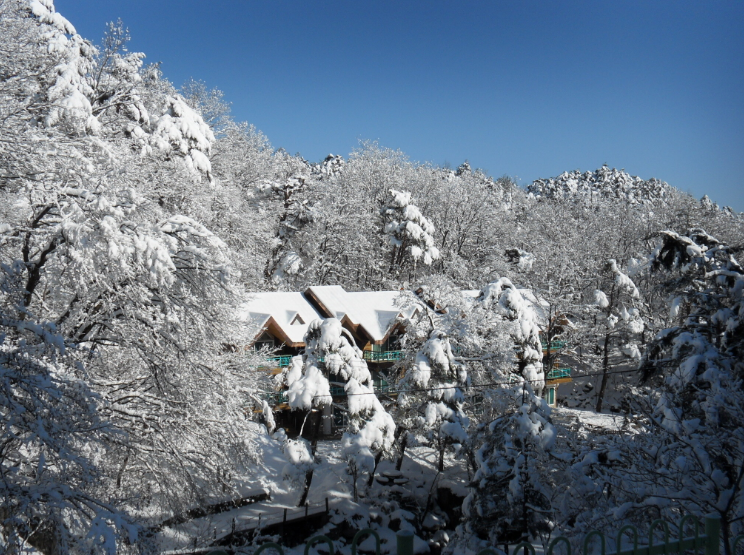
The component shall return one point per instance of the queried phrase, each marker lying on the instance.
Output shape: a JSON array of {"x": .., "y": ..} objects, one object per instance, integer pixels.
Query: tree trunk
[
  {"x": 726, "y": 533},
  {"x": 605, "y": 368},
  {"x": 371, "y": 479},
  {"x": 402, "y": 452},
  {"x": 309, "y": 473}
]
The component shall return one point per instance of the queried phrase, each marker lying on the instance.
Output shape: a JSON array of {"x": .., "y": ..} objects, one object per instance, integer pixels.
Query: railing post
[
  {"x": 405, "y": 542},
  {"x": 713, "y": 534}
]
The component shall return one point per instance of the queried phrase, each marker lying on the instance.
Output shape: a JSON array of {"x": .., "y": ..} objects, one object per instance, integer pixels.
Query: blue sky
[{"x": 528, "y": 89}]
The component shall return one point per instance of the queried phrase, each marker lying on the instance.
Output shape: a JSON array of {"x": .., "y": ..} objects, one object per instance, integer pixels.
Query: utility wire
[{"x": 478, "y": 386}]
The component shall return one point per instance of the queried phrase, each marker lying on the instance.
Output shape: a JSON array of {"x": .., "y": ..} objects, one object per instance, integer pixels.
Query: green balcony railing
[
  {"x": 557, "y": 373},
  {"x": 274, "y": 398},
  {"x": 383, "y": 356},
  {"x": 281, "y": 361},
  {"x": 554, "y": 345}
]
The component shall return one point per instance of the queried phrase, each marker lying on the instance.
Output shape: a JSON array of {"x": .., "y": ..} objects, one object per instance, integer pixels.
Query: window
[{"x": 264, "y": 342}]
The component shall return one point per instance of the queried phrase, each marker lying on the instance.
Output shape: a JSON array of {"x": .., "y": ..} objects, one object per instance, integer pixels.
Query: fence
[
  {"x": 263, "y": 520},
  {"x": 709, "y": 541},
  {"x": 557, "y": 373},
  {"x": 383, "y": 356}
]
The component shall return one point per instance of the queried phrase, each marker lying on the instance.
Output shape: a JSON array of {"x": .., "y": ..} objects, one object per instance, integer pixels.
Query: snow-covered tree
[
  {"x": 53, "y": 437},
  {"x": 331, "y": 354},
  {"x": 698, "y": 367},
  {"x": 371, "y": 431},
  {"x": 286, "y": 258},
  {"x": 409, "y": 233},
  {"x": 507, "y": 303},
  {"x": 431, "y": 399},
  {"x": 510, "y": 494},
  {"x": 143, "y": 291},
  {"x": 617, "y": 318},
  {"x": 509, "y": 497}
]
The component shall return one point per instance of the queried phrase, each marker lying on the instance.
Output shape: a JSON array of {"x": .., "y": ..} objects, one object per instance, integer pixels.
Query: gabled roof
[
  {"x": 371, "y": 313},
  {"x": 284, "y": 315}
]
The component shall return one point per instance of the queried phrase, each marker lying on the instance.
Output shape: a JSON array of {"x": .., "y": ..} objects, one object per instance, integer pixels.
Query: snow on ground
[
  {"x": 605, "y": 421},
  {"x": 331, "y": 481}
]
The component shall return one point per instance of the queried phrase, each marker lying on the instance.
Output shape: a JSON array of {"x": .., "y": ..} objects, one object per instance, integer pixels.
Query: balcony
[
  {"x": 275, "y": 398},
  {"x": 554, "y": 345},
  {"x": 379, "y": 386},
  {"x": 280, "y": 361},
  {"x": 558, "y": 374},
  {"x": 383, "y": 356}
]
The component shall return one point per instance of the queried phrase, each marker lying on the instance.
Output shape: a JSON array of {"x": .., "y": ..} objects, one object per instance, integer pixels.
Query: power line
[{"x": 477, "y": 386}]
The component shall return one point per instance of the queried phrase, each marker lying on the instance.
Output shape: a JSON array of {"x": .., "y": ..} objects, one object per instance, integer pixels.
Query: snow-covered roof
[
  {"x": 374, "y": 311},
  {"x": 285, "y": 315}
]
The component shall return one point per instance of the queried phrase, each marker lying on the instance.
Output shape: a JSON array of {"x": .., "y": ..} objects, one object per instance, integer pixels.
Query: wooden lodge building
[{"x": 281, "y": 319}]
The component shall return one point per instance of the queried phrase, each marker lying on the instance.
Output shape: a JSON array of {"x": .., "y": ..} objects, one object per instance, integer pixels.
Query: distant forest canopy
[{"x": 136, "y": 216}]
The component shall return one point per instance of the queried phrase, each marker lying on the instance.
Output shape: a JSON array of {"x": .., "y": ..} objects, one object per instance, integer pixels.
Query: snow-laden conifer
[
  {"x": 431, "y": 399},
  {"x": 698, "y": 367},
  {"x": 409, "y": 233},
  {"x": 509, "y": 498},
  {"x": 331, "y": 354}
]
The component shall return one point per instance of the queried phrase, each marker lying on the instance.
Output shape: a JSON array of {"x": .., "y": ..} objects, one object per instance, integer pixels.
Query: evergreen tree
[
  {"x": 509, "y": 498},
  {"x": 698, "y": 367},
  {"x": 409, "y": 233}
]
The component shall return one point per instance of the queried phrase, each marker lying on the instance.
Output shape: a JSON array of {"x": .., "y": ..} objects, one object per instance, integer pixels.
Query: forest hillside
[{"x": 137, "y": 216}]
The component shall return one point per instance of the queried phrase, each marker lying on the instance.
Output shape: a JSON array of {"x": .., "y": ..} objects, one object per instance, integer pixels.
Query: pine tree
[
  {"x": 698, "y": 367},
  {"x": 431, "y": 398},
  {"x": 331, "y": 353},
  {"x": 509, "y": 497},
  {"x": 409, "y": 233}
]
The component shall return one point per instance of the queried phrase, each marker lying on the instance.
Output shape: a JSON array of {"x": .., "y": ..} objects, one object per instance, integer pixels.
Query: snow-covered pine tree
[
  {"x": 505, "y": 302},
  {"x": 331, "y": 353},
  {"x": 371, "y": 431},
  {"x": 509, "y": 498},
  {"x": 698, "y": 367},
  {"x": 286, "y": 260},
  {"x": 617, "y": 320},
  {"x": 409, "y": 233},
  {"x": 510, "y": 494},
  {"x": 431, "y": 398}
]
